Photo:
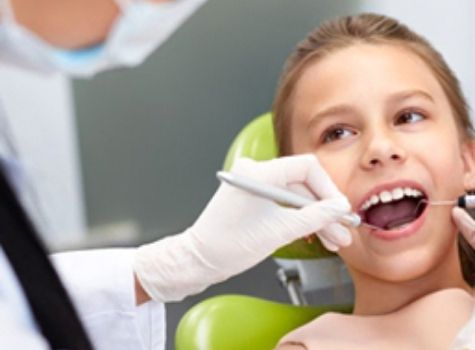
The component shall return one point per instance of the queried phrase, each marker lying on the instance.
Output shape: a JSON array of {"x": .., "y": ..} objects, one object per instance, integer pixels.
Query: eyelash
[
  {"x": 330, "y": 135},
  {"x": 411, "y": 112}
]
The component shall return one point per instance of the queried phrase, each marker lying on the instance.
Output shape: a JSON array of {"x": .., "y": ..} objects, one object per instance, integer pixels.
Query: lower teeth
[{"x": 400, "y": 225}]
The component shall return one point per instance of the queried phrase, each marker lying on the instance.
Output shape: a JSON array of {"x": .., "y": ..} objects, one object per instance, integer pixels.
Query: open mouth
[{"x": 394, "y": 209}]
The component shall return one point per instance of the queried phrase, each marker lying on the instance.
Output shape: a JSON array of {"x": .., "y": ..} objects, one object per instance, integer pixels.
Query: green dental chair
[{"x": 231, "y": 322}]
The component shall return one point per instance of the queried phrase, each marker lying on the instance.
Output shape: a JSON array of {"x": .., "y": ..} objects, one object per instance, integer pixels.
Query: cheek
[
  {"x": 444, "y": 162},
  {"x": 339, "y": 167}
]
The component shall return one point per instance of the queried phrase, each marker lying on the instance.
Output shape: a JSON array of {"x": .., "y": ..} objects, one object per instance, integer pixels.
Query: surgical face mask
[{"x": 141, "y": 27}]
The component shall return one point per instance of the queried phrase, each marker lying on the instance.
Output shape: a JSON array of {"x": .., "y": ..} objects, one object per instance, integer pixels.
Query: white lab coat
[
  {"x": 101, "y": 285},
  {"x": 100, "y": 282}
]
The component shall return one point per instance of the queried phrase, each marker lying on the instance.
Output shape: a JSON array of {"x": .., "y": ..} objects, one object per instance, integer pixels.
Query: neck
[{"x": 375, "y": 296}]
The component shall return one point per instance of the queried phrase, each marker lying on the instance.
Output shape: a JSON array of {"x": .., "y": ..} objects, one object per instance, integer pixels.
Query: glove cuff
[{"x": 171, "y": 269}]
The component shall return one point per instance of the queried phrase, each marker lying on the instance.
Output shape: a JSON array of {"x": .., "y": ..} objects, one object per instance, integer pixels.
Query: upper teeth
[{"x": 393, "y": 195}]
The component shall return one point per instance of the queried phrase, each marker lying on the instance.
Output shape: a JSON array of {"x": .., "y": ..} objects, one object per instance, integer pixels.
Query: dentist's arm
[
  {"x": 70, "y": 24},
  {"x": 237, "y": 230}
]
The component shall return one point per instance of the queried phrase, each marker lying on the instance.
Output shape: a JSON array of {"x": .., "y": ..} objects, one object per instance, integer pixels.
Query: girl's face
[{"x": 382, "y": 127}]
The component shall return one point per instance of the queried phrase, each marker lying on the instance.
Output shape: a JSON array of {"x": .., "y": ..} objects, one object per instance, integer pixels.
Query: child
[{"x": 386, "y": 118}]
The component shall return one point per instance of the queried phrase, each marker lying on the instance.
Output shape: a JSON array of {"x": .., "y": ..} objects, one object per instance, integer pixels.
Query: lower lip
[{"x": 405, "y": 231}]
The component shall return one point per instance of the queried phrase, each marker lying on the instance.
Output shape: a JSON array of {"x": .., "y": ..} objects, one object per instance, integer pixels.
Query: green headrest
[{"x": 257, "y": 141}]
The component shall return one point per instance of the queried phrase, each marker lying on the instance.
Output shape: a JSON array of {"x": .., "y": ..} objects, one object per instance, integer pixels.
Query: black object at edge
[{"x": 48, "y": 299}]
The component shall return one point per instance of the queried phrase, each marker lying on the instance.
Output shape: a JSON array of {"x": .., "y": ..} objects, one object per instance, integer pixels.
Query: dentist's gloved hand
[
  {"x": 465, "y": 224},
  {"x": 237, "y": 230}
]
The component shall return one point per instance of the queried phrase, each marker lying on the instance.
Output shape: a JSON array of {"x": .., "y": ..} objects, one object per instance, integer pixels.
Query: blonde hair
[{"x": 373, "y": 29}]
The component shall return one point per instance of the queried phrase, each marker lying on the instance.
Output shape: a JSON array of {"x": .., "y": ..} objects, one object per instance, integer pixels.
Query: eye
[
  {"x": 336, "y": 133},
  {"x": 409, "y": 117}
]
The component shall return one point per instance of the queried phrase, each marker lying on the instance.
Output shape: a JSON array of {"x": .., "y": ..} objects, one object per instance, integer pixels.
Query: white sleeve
[
  {"x": 101, "y": 285},
  {"x": 14, "y": 335}
]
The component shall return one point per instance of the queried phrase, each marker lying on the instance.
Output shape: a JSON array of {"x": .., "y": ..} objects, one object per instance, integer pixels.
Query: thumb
[{"x": 465, "y": 224}]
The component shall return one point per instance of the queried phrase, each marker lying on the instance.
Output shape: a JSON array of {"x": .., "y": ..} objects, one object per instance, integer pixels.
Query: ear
[{"x": 468, "y": 156}]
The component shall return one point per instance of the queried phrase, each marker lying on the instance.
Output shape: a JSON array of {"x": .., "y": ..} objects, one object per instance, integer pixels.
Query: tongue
[{"x": 393, "y": 214}]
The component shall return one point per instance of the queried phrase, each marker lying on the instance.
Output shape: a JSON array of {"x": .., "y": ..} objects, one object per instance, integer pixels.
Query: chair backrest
[
  {"x": 233, "y": 322},
  {"x": 257, "y": 141}
]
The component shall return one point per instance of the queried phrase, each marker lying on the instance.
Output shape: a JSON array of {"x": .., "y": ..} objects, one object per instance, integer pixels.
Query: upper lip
[{"x": 389, "y": 187}]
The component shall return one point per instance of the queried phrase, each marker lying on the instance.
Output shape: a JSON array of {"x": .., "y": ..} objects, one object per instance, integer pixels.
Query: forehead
[{"x": 363, "y": 73}]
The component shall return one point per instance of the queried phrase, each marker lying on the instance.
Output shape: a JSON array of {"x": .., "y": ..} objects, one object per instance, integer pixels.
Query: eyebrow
[
  {"x": 404, "y": 95},
  {"x": 348, "y": 109}
]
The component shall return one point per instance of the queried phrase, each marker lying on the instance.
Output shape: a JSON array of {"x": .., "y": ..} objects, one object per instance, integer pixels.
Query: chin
[
  {"x": 415, "y": 263},
  {"x": 432, "y": 242},
  {"x": 407, "y": 266}
]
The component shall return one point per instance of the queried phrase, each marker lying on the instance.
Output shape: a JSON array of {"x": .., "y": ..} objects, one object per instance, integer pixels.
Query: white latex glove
[
  {"x": 465, "y": 224},
  {"x": 237, "y": 230}
]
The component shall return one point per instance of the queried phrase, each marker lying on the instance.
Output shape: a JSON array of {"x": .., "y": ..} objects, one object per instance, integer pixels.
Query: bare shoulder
[
  {"x": 430, "y": 322},
  {"x": 439, "y": 315},
  {"x": 334, "y": 331},
  {"x": 320, "y": 330},
  {"x": 452, "y": 301}
]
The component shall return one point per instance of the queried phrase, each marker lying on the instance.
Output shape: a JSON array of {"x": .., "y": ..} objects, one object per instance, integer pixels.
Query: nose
[{"x": 382, "y": 150}]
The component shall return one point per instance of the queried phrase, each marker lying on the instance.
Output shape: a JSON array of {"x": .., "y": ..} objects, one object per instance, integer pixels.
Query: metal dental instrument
[
  {"x": 466, "y": 201},
  {"x": 278, "y": 195}
]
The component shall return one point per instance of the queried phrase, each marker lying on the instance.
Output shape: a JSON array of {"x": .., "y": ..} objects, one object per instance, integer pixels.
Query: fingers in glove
[
  {"x": 465, "y": 224},
  {"x": 333, "y": 237},
  {"x": 303, "y": 168},
  {"x": 302, "y": 190},
  {"x": 329, "y": 245},
  {"x": 290, "y": 172},
  {"x": 337, "y": 234},
  {"x": 279, "y": 171},
  {"x": 320, "y": 182},
  {"x": 292, "y": 169},
  {"x": 244, "y": 166},
  {"x": 314, "y": 217},
  {"x": 306, "y": 168}
]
